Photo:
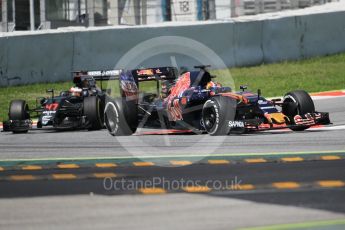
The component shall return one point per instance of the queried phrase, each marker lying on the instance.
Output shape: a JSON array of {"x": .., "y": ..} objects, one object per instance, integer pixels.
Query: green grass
[{"x": 312, "y": 75}]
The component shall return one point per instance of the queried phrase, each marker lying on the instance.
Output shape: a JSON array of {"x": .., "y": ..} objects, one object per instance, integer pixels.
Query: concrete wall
[{"x": 48, "y": 57}]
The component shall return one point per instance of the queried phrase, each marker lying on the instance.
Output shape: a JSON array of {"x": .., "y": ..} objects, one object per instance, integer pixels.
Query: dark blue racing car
[
  {"x": 81, "y": 107},
  {"x": 192, "y": 100}
]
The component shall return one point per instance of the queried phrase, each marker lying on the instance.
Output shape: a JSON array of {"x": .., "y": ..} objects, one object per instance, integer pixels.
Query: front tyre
[
  {"x": 216, "y": 115},
  {"x": 297, "y": 102},
  {"x": 19, "y": 112}
]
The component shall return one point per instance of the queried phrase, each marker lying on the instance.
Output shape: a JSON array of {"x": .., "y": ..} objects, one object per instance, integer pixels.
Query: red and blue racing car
[{"x": 192, "y": 100}]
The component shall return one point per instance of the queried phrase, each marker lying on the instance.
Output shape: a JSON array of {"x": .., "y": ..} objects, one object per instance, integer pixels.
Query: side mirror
[
  {"x": 202, "y": 67},
  {"x": 276, "y": 101},
  {"x": 43, "y": 100},
  {"x": 243, "y": 87},
  {"x": 50, "y": 91},
  {"x": 259, "y": 94}
]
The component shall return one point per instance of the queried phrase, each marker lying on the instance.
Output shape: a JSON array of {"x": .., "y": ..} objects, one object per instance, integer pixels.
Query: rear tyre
[
  {"x": 295, "y": 103},
  {"x": 216, "y": 115},
  {"x": 93, "y": 112},
  {"x": 19, "y": 111},
  {"x": 121, "y": 117}
]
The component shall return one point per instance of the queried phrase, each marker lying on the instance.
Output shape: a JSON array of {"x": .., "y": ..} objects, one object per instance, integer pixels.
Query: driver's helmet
[
  {"x": 212, "y": 84},
  {"x": 85, "y": 84},
  {"x": 76, "y": 91},
  {"x": 166, "y": 87}
]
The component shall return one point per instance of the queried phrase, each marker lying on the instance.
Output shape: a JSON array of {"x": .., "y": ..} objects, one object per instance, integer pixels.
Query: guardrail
[{"x": 52, "y": 56}]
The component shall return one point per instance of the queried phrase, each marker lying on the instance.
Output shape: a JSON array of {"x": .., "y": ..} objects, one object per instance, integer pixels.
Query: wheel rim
[
  {"x": 289, "y": 112},
  {"x": 110, "y": 115},
  {"x": 209, "y": 117}
]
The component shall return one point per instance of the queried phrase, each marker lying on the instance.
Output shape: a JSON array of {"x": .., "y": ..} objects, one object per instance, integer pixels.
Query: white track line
[
  {"x": 336, "y": 127},
  {"x": 324, "y": 97}
]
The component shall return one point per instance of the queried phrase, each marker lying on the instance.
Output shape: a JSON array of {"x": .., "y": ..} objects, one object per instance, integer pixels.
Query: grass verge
[{"x": 312, "y": 75}]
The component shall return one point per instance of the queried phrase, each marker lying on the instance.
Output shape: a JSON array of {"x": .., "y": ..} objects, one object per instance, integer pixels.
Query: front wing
[{"x": 308, "y": 120}]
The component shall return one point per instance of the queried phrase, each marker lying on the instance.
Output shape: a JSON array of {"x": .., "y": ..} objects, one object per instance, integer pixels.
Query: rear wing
[
  {"x": 98, "y": 75},
  {"x": 159, "y": 73},
  {"x": 92, "y": 76},
  {"x": 129, "y": 79}
]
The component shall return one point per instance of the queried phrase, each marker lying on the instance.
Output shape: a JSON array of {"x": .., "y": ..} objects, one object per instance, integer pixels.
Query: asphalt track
[
  {"x": 51, "y": 144},
  {"x": 244, "y": 195},
  {"x": 291, "y": 184}
]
